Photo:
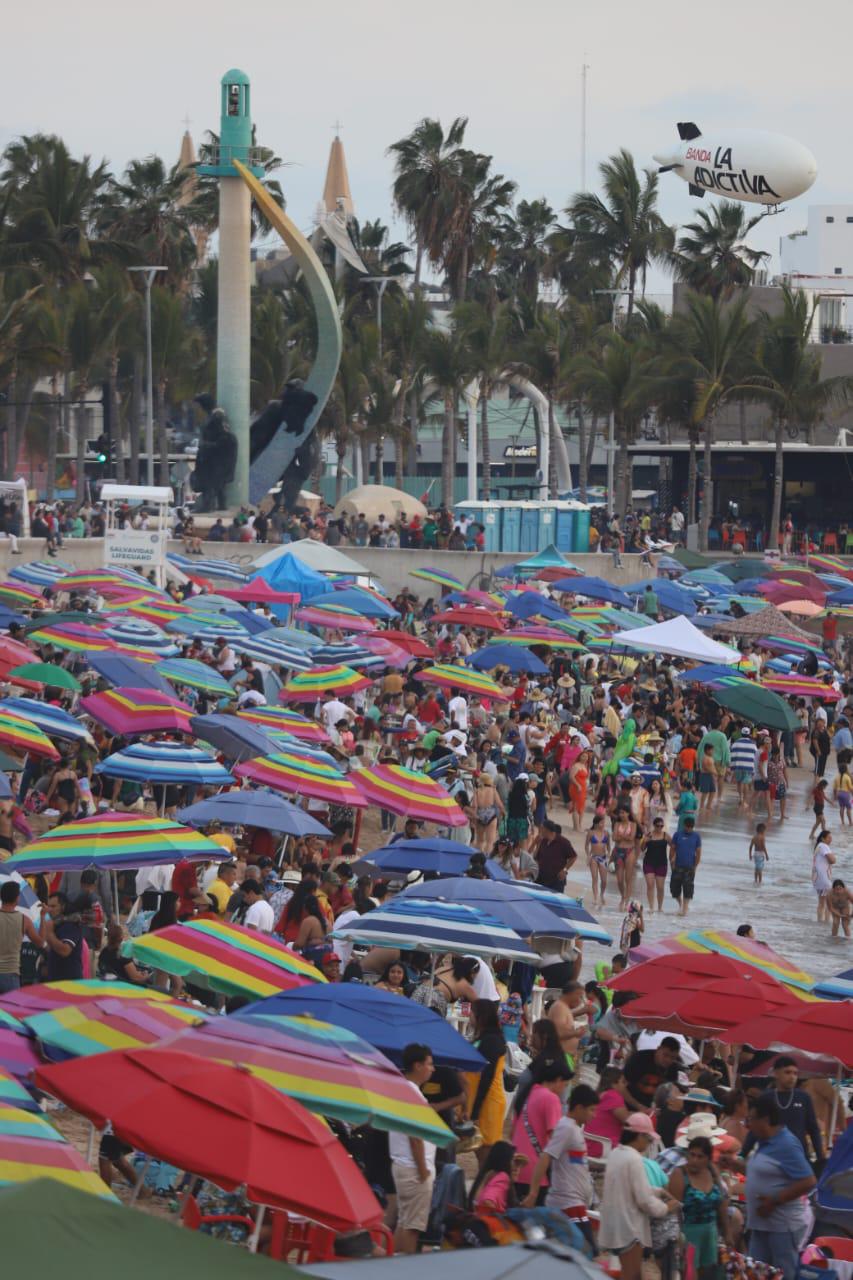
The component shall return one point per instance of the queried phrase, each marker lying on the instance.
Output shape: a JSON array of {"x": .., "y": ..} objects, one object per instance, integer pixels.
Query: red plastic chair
[
  {"x": 297, "y": 1240},
  {"x": 193, "y": 1218},
  {"x": 830, "y": 542},
  {"x": 840, "y": 1247},
  {"x": 739, "y": 539}
]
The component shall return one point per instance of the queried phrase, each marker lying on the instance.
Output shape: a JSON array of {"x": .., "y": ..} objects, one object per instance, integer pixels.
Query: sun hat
[
  {"x": 639, "y": 1122},
  {"x": 702, "y": 1095},
  {"x": 699, "y": 1126},
  {"x": 566, "y": 682}
]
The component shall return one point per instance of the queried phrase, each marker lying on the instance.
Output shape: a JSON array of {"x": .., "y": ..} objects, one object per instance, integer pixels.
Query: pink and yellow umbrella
[
  {"x": 76, "y": 637},
  {"x": 410, "y": 794},
  {"x": 333, "y": 617},
  {"x": 134, "y": 711},
  {"x": 44, "y": 996},
  {"x": 24, "y": 1159},
  {"x": 283, "y": 720},
  {"x": 300, "y": 776},
  {"x": 308, "y": 686},
  {"x": 467, "y": 679},
  {"x": 796, "y": 686},
  {"x": 17, "y": 596},
  {"x": 21, "y": 736}
]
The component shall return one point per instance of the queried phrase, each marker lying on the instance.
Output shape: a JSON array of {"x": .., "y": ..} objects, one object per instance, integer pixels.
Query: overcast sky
[{"x": 117, "y": 81}]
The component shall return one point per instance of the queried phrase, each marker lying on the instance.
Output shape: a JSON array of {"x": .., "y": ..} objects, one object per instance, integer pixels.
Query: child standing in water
[
  {"x": 707, "y": 780},
  {"x": 777, "y": 776},
  {"x": 758, "y": 854}
]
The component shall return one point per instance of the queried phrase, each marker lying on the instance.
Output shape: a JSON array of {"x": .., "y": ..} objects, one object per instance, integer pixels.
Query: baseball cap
[
  {"x": 330, "y": 957},
  {"x": 745, "y": 733},
  {"x": 639, "y": 1122},
  {"x": 522, "y": 777}
]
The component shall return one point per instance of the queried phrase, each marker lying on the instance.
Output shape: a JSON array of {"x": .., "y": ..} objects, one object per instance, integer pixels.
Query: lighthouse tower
[{"x": 233, "y": 334}]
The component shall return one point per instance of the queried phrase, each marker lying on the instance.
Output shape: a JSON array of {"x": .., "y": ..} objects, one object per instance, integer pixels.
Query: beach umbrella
[
  {"x": 28, "y": 901},
  {"x": 141, "y": 634},
  {"x": 802, "y": 608},
  {"x": 469, "y": 616},
  {"x": 258, "y": 591},
  {"x": 294, "y": 747},
  {"x": 135, "y": 711},
  {"x": 705, "y": 1010},
  {"x": 19, "y": 1055},
  {"x": 44, "y": 996},
  {"x": 254, "y": 807},
  {"x": 235, "y": 739},
  {"x": 532, "y": 604},
  {"x": 685, "y": 952},
  {"x": 488, "y": 599},
  {"x": 17, "y": 1122},
  {"x": 824, "y": 1026},
  {"x": 439, "y": 577},
  {"x": 793, "y": 685},
  {"x": 517, "y": 658},
  {"x": 283, "y": 720},
  {"x": 758, "y": 954},
  {"x": 8, "y": 618},
  {"x": 432, "y": 854},
  {"x": 119, "y": 670},
  {"x": 329, "y": 1070},
  {"x": 75, "y": 637},
  {"x": 424, "y": 925},
  {"x": 296, "y": 638},
  {"x": 195, "y": 675},
  {"x": 101, "y": 1025},
  {"x": 14, "y": 1094},
  {"x": 214, "y": 1120},
  {"x": 385, "y": 1020},
  {"x": 209, "y": 567},
  {"x": 743, "y": 567},
  {"x": 756, "y": 703},
  {"x": 594, "y": 588},
  {"x": 299, "y": 776},
  {"x": 17, "y": 596},
  {"x": 450, "y": 676},
  {"x": 839, "y": 987},
  {"x": 21, "y": 736},
  {"x": 684, "y": 969},
  {"x": 671, "y": 597},
  {"x": 113, "y": 841},
  {"x": 369, "y": 604},
  {"x": 41, "y": 573},
  {"x": 392, "y": 655},
  {"x": 545, "y": 637},
  {"x": 273, "y": 652},
  {"x": 352, "y": 655},
  {"x": 332, "y": 617},
  {"x": 23, "y": 1159},
  {"x": 224, "y": 957},
  {"x": 409, "y": 794},
  {"x": 47, "y": 673},
  {"x": 516, "y": 910},
  {"x": 165, "y": 763},
  {"x": 55, "y": 722},
  {"x": 207, "y": 627},
  {"x": 572, "y": 909},
  {"x": 323, "y": 682},
  {"x": 415, "y": 647}
]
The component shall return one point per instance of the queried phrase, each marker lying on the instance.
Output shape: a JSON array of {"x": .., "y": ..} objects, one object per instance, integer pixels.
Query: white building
[{"x": 819, "y": 260}]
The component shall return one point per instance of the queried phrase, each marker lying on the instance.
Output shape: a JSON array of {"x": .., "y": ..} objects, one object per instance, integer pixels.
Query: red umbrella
[
  {"x": 220, "y": 1122},
  {"x": 825, "y": 1026},
  {"x": 779, "y": 592},
  {"x": 134, "y": 711},
  {"x": 14, "y": 654},
  {"x": 467, "y": 616},
  {"x": 685, "y": 969},
  {"x": 417, "y": 648},
  {"x": 702, "y": 1011},
  {"x": 260, "y": 592}
]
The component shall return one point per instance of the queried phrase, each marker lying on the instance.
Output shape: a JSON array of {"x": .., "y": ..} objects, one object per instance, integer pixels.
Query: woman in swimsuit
[
  {"x": 624, "y": 834},
  {"x": 655, "y": 863},
  {"x": 597, "y": 857},
  {"x": 63, "y": 791},
  {"x": 452, "y": 982}
]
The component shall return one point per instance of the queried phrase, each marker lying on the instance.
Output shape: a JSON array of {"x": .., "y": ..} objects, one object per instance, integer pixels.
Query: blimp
[{"x": 741, "y": 164}]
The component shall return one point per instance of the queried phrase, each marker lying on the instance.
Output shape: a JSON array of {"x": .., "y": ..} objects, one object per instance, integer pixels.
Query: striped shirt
[{"x": 744, "y": 755}]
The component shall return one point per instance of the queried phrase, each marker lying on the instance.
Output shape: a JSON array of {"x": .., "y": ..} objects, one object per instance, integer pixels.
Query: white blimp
[{"x": 741, "y": 164}]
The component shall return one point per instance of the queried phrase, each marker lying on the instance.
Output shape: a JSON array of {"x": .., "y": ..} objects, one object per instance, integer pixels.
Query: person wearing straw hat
[{"x": 697, "y": 1187}]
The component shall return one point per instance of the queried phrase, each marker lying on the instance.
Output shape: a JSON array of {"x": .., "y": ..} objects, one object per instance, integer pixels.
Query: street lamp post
[
  {"x": 383, "y": 282},
  {"x": 149, "y": 274},
  {"x": 615, "y": 294}
]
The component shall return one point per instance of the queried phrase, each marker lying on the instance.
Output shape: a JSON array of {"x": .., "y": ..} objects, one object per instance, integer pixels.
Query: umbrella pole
[
  {"x": 830, "y": 1137},
  {"x": 163, "y": 803},
  {"x": 90, "y": 1146},
  {"x": 256, "y": 1234},
  {"x": 114, "y": 880},
  {"x": 357, "y": 830}
]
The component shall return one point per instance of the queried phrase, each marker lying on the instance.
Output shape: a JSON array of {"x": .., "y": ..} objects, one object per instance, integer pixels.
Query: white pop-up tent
[{"x": 680, "y": 639}]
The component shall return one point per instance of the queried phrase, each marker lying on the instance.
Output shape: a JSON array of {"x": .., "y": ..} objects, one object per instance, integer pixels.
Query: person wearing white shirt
[
  {"x": 483, "y": 981},
  {"x": 259, "y": 914},
  {"x": 335, "y": 710},
  {"x": 412, "y": 1160},
  {"x": 458, "y": 710},
  {"x": 251, "y": 698},
  {"x": 158, "y": 878}
]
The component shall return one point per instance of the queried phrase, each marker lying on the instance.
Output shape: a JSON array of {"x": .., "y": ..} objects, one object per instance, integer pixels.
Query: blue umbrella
[
  {"x": 351, "y": 655},
  {"x": 53, "y": 720},
  {"x": 515, "y": 656},
  {"x": 294, "y": 637},
  {"x": 165, "y": 763},
  {"x": 207, "y": 630},
  {"x": 708, "y": 673},
  {"x": 195, "y": 674},
  {"x": 387, "y": 1021},
  {"x": 236, "y": 739},
  {"x": 839, "y": 987},
  {"x": 571, "y": 909},
  {"x": 273, "y": 652},
  {"x": 41, "y": 573},
  {"x": 595, "y": 589},
  {"x": 670, "y": 596},
  {"x": 505, "y": 902},
  {"x": 365, "y": 602},
  {"x": 530, "y": 604},
  {"x": 707, "y": 578},
  {"x": 5, "y": 788},
  {"x": 8, "y": 618},
  {"x": 252, "y": 621},
  {"x": 842, "y": 597},
  {"x": 129, "y": 672},
  {"x": 256, "y": 807},
  {"x": 142, "y": 635},
  {"x": 420, "y": 924},
  {"x": 432, "y": 854},
  {"x": 208, "y": 568}
]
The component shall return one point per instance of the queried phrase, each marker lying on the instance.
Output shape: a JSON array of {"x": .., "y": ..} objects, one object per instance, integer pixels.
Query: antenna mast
[{"x": 584, "y": 70}]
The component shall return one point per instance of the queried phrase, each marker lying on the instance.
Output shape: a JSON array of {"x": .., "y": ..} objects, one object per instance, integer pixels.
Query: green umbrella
[
  {"x": 52, "y": 619},
  {"x": 44, "y": 1221},
  {"x": 47, "y": 673},
  {"x": 745, "y": 567},
  {"x": 691, "y": 559},
  {"x": 752, "y": 702}
]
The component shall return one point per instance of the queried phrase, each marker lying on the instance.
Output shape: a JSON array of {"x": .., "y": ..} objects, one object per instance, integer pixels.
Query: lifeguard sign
[{"x": 143, "y": 549}]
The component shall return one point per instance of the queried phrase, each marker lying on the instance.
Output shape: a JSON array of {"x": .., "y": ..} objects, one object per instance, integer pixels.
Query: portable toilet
[
  {"x": 547, "y": 525},
  {"x": 564, "y": 537},
  {"x": 511, "y": 526},
  {"x": 529, "y": 543},
  {"x": 581, "y": 530},
  {"x": 491, "y": 522}
]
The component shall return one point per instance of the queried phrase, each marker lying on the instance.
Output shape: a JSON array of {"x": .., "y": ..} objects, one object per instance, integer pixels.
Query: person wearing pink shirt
[{"x": 537, "y": 1112}]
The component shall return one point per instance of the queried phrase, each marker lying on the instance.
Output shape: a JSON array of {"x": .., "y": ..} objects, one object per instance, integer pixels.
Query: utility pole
[
  {"x": 383, "y": 282},
  {"x": 615, "y": 294},
  {"x": 584, "y": 70},
  {"x": 149, "y": 274}
]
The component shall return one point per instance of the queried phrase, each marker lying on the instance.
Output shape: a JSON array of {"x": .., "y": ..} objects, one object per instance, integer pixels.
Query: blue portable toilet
[
  {"x": 564, "y": 539},
  {"x": 511, "y": 526},
  {"x": 581, "y": 530},
  {"x": 547, "y": 525},
  {"x": 529, "y": 527},
  {"x": 490, "y": 519}
]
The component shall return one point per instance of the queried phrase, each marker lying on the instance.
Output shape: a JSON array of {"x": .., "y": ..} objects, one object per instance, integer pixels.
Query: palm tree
[
  {"x": 625, "y": 227},
  {"x": 486, "y": 333},
  {"x": 426, "y": 174},
  {"x": 202, "y": 210},
  {"x": 148, "y": 209},
  {"x": 787, "y": 374},
  {"x": 711, "y": 254},
  {"x": 716, "y": 345},
  {"x": 523, "y": 252},
  {"x": 272, "y": 354},
  {"x": 94, "y": 312},
  {"x": 175, "y": 352},
  {"x": 448, "y": 367},
  {"x": 547, "y": 352},
  {"x": 481, "y": 198},
  {"x": 406, "y": 321},
  {"x": 615, "y": 378}
]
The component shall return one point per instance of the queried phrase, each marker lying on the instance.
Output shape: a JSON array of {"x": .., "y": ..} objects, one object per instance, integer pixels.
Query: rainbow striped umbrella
[
  {"x": 790, "y": 644},
  {"x": 731, "y": 945},
  {"x": 41, "y": 573},
  {"x": 55, "y": 995},
  {"x": 830, "y": 564},
  {"x": 300, "y": 776},
  {"x": 283, "y": 720},
  {"x": 157, "y": 611},
  {"x": 333, "y": 617},
  {"x": 796, "y": 686},
  {"x": 20, "y": 736},
  {"x": 547, "y": 637},
  {"x": 140, "y": 633},
  {"x": 164, "y": 764},
  {"x": 13, "y": 1024},
  {"x": 308, "y": 686},
  {"x": 14, "y": 1094},
  {"x": 99, "y": 1025},
  {"x": 55, "y": 722},
  {"x": 224, "y": 957},
  {"x": 18, "y": 1054},
  {"x": 82, "y": 579},
  {"x": 133, "y": 711},
  {"x": 24, "y": 1159},
  {"x": 439, "y": 577},
  {"x": 19, "y": 596},
  {"x": 195, "y": 675},
  {"x": 16, "y": 1122},
  {"x": 193, "y": 565},
  {"x": 112, "y": 840},
  {"x": 76, "y": 637},
  {"x": 331, "y": 1070},
  {"x": 464, "y": 678},
  {"x": 410, "y": 794}
]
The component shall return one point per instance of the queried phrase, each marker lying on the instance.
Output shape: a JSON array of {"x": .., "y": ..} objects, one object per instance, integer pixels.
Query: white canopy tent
[
  {"x": 679, "y": 639},
  {"x": 317, "y": 555}
]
